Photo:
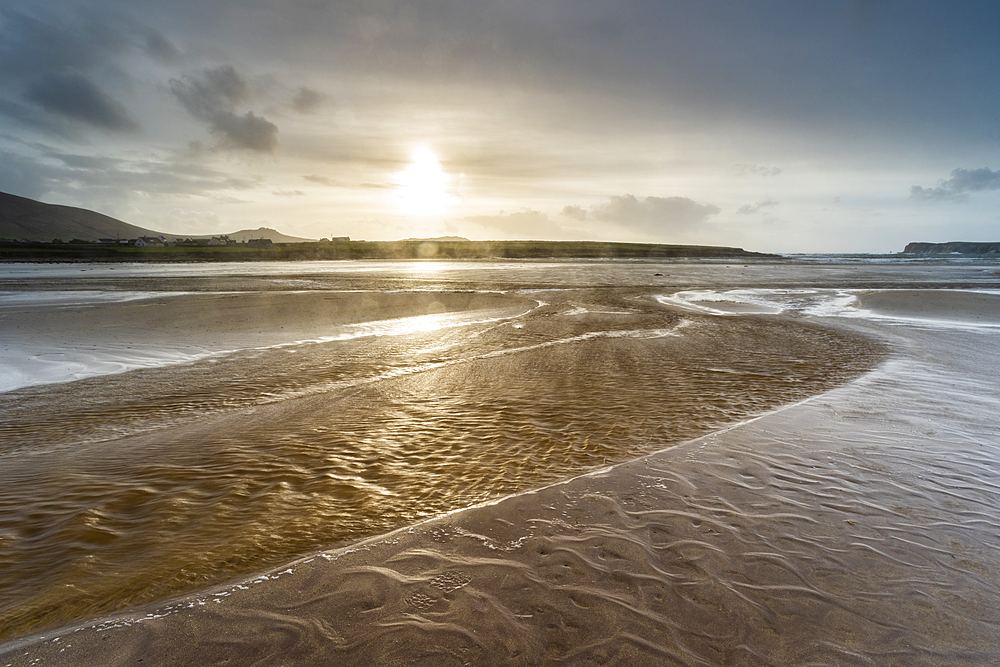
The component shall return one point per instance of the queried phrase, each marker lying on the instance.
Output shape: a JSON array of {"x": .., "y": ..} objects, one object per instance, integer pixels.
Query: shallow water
[{"x": 131, "y": 487}]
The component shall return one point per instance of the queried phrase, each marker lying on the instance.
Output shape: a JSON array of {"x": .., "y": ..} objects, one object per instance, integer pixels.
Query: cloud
[
  {"x": 749, "y": 209},
  {"x": 32, "y": 47},
  {"x": 307, "y": 100},
  {"x": 652, "y": 213},
  {"x": 525, "y": 224},
  {"x": 213, "y": 96},
  {"x": 618, "y": 217},
  {"x": 962, "y": 181},
  {"x": 18, "y": 176},
  {"x": 181, "y": 221},
  {"x": 215, "y": 91},
  {"x": 755, "y": 169},
  {"x": 575, "y": 212},
  {"x": 159, "y": 47},
  {"x": 322, "y": 180},
  {"x": 101, "y": 163},
  {"x": 248, "y": 131},
  {"x": 81, "y": 178},
  {"x": 288, "y": 193},
  {"x": 28, "y": 116},
  {"x": 73, "y": 95}
]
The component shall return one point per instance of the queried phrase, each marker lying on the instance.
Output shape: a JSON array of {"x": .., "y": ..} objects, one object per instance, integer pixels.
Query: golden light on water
[{"x": 422, "y": 188}]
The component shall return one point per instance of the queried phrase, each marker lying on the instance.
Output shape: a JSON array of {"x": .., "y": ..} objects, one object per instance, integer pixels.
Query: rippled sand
[{"x": 857, "y": 527}]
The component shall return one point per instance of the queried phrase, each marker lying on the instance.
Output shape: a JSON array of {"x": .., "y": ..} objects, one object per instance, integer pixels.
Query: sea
[{"x": 769, "y": 461}]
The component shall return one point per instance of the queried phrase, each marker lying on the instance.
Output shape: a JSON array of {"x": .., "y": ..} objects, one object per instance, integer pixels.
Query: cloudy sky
[{"x": 847, "y": 126}]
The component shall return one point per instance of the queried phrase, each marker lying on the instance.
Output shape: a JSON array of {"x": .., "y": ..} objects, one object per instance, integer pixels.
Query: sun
[{"x": 422, "y": 188}]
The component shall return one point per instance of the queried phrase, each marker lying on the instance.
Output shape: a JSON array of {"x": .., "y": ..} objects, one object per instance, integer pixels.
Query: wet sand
[
  {"x": 60, "y": 342},
  {"x": 131, "y": 487},
  {"x": 951, "y": 305},
  {"x": 857, "y": 527}
]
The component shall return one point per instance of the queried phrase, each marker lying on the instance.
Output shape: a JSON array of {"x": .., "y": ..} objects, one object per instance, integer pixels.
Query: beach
[{"x": 496, "y": 463}]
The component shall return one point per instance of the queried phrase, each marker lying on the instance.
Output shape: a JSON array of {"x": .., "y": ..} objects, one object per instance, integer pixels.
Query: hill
[
  {"x": 346, "y": 249},
  {"x": 245, "y": 235},
  {"x": 26, "y": 219},
  {"x": 438, "y": 239},
  {"x": 22, "y": 218},
  {"x": 952, "y": 247}
]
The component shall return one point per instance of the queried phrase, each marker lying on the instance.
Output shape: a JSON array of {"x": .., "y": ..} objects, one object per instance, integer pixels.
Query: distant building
[
  {"x": 259, "y": 243},
  {"x": 149, "y": 242}
]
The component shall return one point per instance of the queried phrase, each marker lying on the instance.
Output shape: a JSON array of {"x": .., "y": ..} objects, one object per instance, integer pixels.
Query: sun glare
[{"x": 421, "y": 188}]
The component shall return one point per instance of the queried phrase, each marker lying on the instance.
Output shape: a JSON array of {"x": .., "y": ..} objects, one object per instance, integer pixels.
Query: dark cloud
[
  {"x": 749, "y": 209},
  {"x": 248, "y": 131},
  {"x": 307, "y": 100},
  {"x": 213, "y": 96},
  {"x": 32, "y": 46},
  {"x": 46, "y": 123},
  {"x": 81, "y": 178},
  {"x": 159, "y": 47},
  {"x": 74, "y": 96},
  {"x": 652, "y": 213},
  {"x": 962, "y": 181},
  {"x": 288, "y": 193},
  {"x": 66, "y": 61},
  {"x": 215, "y": 91}
]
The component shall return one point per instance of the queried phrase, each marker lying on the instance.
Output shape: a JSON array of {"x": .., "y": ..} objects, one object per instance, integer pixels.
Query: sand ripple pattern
[
  {"x": 860, "y": 528},
  {"x": 130, "y": 488}
]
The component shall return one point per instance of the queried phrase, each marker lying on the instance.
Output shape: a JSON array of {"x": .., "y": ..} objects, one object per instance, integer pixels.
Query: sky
[{"x": 848, "y": 126}]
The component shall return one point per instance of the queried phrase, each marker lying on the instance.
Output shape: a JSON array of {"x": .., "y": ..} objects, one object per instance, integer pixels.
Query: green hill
[
  {"x": 30, "y": 220},
  {"x": 22, "y": 218}
]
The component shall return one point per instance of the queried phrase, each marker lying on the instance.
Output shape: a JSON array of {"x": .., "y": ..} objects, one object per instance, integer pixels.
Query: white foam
[
  {"x": 745, "y": 301},
  {"x": 50, "y": 298},
  {"x": 812, "y": 302}
]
